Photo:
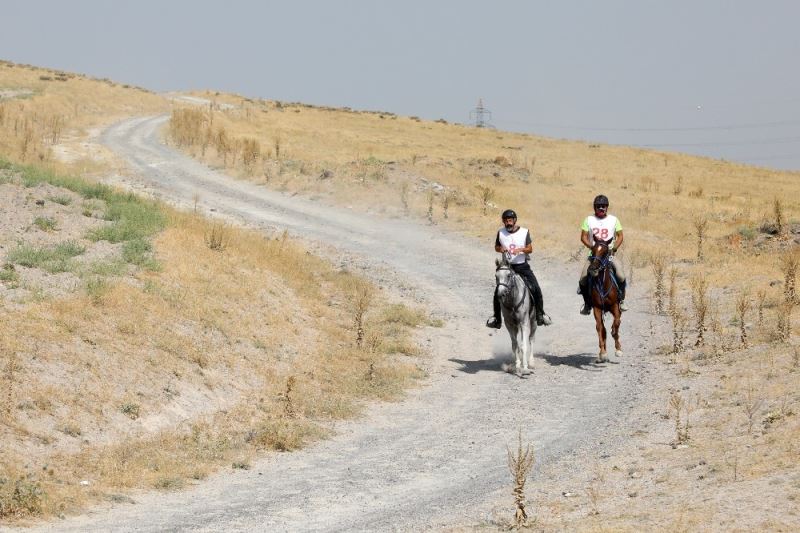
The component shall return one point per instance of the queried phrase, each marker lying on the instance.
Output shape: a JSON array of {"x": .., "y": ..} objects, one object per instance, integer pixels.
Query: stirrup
[
  {"x": 543, "y": 320},
  {"x": 622, "y": 306},
  {"x": 586, "y": 309},
  {"x": 494, "y": 323}
]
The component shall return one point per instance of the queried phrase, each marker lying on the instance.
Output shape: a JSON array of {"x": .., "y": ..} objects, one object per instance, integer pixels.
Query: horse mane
[
  {"x": 602, "y": 242},
  {"x": 502, "y": 261}
]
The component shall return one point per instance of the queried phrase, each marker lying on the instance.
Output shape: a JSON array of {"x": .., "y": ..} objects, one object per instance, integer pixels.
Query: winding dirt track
[{"x": 434, "y": 459}]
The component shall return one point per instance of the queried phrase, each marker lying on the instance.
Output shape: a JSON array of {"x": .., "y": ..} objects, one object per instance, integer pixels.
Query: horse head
[
  {"x": 600, "y": 256},
  {"x": 503, "y": 275}
]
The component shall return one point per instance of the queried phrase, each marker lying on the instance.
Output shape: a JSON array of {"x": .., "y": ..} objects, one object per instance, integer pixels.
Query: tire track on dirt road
[{"x": 439, "y": 455}]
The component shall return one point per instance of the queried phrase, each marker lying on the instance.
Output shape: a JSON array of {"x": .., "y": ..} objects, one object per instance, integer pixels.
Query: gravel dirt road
[{"x": 437, "y": 458}]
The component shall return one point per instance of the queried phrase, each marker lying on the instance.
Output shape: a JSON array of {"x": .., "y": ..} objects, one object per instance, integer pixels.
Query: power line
[
  {"x": 768, "y": 157},
  {"x": 783, "y": 140},
  {"x": 676, "y": 129}
]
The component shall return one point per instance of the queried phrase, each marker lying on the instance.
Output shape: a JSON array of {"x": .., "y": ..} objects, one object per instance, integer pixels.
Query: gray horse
[{"x": 519, "y": 314}]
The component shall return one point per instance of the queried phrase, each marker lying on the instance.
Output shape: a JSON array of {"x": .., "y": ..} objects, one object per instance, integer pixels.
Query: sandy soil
[{"x": 436, "y": 460}]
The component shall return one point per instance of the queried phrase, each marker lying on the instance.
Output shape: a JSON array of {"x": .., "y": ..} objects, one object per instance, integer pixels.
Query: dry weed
[
  {"x": 700, "y": 307},
  {"x": 486, "y": 194},
  {"x": 657, "y": 264},
  {"x": 520, "y": 464},
  {"x": 752, "y": 406},
  {"x": 682, "y": 409},
  {"x": 678, "y": 321},
  {"x": 784, "y": 321},
  {"x": 743, "y": 305},
  {"x": 431, "y": 196},
  {"x": 361, "y": 300},
  {"x": 789, "y": 262},
  {"x": 404, "y": 192},
  {"x": 701, "y": 227},
  {"x": 216, "y": 237},
  {"x": 446, "y": 197},
  {"x": 780, "y": 219},
  {"x": 287, "y": 398},
  {"x": 761, "y": 296}
]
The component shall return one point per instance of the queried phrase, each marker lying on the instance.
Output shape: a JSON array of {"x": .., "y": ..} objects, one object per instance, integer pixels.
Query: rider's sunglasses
[{"x": 601, "y": 207}]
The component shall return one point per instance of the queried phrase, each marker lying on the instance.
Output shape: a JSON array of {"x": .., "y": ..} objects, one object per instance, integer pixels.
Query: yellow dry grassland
[
  {"x": 391, "y": 164},
  {"x": 734, "y": 225},
  {"x": 142, "y": 347},
  {"x": 711, "y": 249},
  {"x": 156, "y": 379},
  {"x": 41, "y": 109}
]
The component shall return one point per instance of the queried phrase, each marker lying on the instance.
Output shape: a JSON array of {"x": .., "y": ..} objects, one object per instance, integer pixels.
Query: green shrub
[
  {"x": 45, "y": 223},
  {"x": 136, "y": 251},
  {"x": 61, "y": 199},
  {"x": 96, "y": 287},
  {"x": 106, "y": 268},
  {"x": 8, "y": 273},
  {"x": 748, "y": 233},
  {"x": 133, "y": 216},
  {"x": 56, "y": 259},
  {"x": 132, "y": 219},
  {"x": 22, "y": 497},
  {"x": 169, "y": 483}
]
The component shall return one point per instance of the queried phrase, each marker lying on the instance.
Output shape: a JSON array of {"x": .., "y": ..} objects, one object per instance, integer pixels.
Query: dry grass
[
  {"x": 520, "y": 463},
  {"x": 390, "y": 164},
  {"x": 176, "y": 377},
  {"x": 713, "y": 228},
  {"x": 178, "y": 334},
  {"x": 46, "y": 108}
]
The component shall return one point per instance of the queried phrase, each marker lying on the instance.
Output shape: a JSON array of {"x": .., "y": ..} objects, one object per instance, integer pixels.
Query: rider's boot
[
  {"x": 622, "y": 286},
  {"x": 587, "y": 302},
  {"x": 542, "y": 318},
  {"x": 496, "y": 321}
]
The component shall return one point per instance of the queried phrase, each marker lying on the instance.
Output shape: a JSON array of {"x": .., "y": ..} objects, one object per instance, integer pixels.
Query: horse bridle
[
  {"x": 603, "y": 260},
  {"x": 603, "y": 267},
  {"x": 512, "y": 290}
]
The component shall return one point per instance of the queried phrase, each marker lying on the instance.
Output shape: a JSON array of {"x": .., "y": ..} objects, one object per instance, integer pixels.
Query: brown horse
[{"x": 604, "y": 293}]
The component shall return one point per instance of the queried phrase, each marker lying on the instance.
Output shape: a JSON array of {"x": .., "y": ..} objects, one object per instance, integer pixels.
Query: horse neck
[
  {"x": 605, "y": 272},
  {"x": 514, "y": 283},
  {"x": 607, "y": 284}
]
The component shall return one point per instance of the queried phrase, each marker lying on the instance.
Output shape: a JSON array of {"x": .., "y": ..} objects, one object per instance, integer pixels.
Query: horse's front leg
[
  {"x": 601, "y": 334},
  {"x": 513, "y": 332},
  {"x": 524, "y": 343},
  {"x": 615, "y": 330}
]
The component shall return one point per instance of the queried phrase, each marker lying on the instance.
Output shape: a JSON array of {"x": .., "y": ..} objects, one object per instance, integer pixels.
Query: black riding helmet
[
  {"x": 508, "y": 213},
  {"x": 600, "y": 200}
]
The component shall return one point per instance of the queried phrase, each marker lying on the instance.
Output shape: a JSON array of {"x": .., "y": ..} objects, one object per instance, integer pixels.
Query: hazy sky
[{"x": 716, "y": 77}]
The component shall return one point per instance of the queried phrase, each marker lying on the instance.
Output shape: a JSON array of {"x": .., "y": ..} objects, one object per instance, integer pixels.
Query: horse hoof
[
  {"x": 619, "y": 353},
  {"x": 601, "y": 358}
]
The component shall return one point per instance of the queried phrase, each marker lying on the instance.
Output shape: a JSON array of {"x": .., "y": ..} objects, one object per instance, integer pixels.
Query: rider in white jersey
[
  {"x": 602, "y": 226},
  {"x": 516, "y": 241}
]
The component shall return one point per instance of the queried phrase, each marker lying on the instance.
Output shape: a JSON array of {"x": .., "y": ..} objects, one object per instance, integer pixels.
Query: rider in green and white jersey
[{"x": 602, "y": 226}]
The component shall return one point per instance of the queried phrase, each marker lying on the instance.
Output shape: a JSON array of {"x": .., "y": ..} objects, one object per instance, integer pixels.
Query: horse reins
[
  {"x": 513, "y": 289},
  {"x": 598, "y": 284}
]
